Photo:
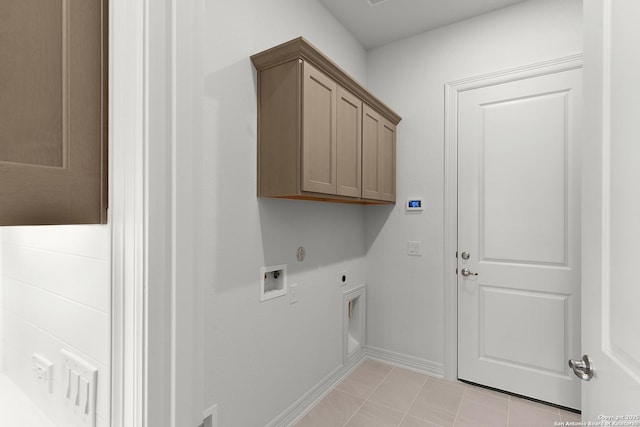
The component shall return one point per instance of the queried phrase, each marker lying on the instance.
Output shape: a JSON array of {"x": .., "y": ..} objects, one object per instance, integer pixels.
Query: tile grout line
[
  {"x": 367, "y": 399},
  {"x": 414, "y": 400},
  {"x": 466, "y": 387}
]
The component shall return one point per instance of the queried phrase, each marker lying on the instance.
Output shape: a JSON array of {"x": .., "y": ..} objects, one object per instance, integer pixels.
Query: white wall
[
  {"x": 56, "y": 295},
  {"x": 405, "y": 294},
  {"x": 260, "y": 357},
  {"x": 1, "y": 310}
]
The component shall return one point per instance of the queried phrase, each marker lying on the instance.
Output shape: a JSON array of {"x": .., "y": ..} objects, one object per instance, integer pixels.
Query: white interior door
[
  {"x": 611, "y": 290},
  {"x": 519, "y": 222}
]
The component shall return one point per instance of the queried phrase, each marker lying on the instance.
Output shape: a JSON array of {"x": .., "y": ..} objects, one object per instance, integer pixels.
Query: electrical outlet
[{"x": 43, "y": 371}]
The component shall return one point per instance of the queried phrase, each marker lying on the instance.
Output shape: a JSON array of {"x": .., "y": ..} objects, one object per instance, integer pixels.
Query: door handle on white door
[
  {"x": 466, "y": 272},
  {"x": 582, "y": 368}
]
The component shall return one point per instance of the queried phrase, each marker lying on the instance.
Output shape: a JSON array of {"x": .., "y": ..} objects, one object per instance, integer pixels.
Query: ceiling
[{"x": 378, "y": 22}]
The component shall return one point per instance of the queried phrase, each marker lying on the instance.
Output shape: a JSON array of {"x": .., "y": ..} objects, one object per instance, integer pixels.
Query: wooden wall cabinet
[{"x": 321, "y": 135}]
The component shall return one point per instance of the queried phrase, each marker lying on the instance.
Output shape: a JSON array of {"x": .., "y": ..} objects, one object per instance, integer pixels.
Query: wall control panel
[{"x": 415, "y": 204}]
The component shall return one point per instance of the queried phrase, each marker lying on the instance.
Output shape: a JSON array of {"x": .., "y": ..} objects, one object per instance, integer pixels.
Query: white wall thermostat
[{"x": 415, "y": 204}]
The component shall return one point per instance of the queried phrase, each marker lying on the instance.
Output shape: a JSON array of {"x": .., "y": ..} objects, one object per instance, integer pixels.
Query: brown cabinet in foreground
[
  {"x": 321, "y": 135},
  {"x": 53, "y": 112}
]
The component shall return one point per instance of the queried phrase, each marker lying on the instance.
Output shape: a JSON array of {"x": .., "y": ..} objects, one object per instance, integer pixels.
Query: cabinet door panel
[
  {"x": 349, "y": 130},
  {"x": 319, "y": 132},
  {"x": 378, "y": 157},
  {"x": 52, "y": 115},
  {"x": 370, "y": 167},
  {"x": 387, "y": 161}
]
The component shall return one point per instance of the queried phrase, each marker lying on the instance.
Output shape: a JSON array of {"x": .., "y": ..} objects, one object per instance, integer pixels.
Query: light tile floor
[{"x": 379, "y": 395}]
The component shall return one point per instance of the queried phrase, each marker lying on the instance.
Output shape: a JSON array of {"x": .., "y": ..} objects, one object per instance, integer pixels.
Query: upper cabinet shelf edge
[{"x": 299, "y": 48}]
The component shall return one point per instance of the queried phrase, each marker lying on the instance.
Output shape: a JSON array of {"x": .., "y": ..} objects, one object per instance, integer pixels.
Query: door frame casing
[
  {"x": 155, "y": 113},
  {"x": 616, "y": 389},
  {"x": 452, "y": 90}
]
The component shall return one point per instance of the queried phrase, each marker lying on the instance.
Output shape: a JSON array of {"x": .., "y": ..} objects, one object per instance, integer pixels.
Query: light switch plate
[
  {"x": 414, "y": 248},
  {"x": 79, "y": 390}
]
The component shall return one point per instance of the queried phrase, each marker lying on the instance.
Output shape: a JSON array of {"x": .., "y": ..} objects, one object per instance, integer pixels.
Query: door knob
[
  {"x": 582, "y": 368},
  {"x": 465, "y": 255},
  {"x": 466, "y": 272}
]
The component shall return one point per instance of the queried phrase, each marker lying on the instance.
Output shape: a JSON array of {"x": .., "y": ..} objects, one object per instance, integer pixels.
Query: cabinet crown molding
[{"x": 300, "y": 48}]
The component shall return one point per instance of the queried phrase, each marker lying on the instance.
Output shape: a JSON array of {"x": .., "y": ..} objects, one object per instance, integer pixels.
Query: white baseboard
[
  {"x": 411, "y": 363},
  {"x": 300, "y": 407}
]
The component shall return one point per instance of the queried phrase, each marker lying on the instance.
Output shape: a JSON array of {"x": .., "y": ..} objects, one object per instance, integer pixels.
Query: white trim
[
  {"x": 620, "y": 359},
  {"x": 552, "y": 66},
  {"x": 159, "y": 409},
  {"x": 142, "y": 98},
  {"x": 173, "y": 311},
  {"x": 450, "y": 233},
  {"x": 300, "y": 407},
  {"x": 127, "y": 214},
  {"x": 172, "y": 93},
  {"x": 411, "y": 363},
  {"x": 187, "y": 321},
  {"x": 213, "y": 413},
  {"x": 452, "y": 90},
  {"x": 606, "y": 182}
]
